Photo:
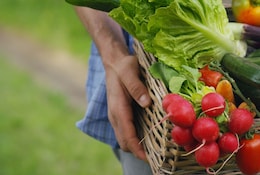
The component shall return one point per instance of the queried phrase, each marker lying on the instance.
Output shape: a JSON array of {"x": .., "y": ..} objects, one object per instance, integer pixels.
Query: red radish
[
  {"x": 191, "y": 146},
  {"x": 228, "y": 143},
  {"x": 170, "y": 98},
  {"x": 182, "y": 113},
  {"x": 182, "y": 136},
  {"x": 205, "y": 129},
  {"x": 179, "y": 111},
  {"x": 241, "y": 121},
  {"x": 207, "y": 155},
  {"x": 213, "y": 104}
]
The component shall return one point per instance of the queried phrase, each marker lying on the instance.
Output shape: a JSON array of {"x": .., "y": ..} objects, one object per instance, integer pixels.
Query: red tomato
[
  {"x": 210, "y": 77},
  {"x": 248, "y": 157}
]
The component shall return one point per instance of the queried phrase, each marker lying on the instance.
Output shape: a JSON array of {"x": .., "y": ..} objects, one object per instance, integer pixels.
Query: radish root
[
  {"x": 211, "y": 109},
  {"x": 197, "y": 148},
  {"x": 213, "y": 172},
  {"x": 151, "y": 129}
]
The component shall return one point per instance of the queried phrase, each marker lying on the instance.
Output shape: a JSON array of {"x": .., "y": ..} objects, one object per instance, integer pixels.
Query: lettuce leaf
[
  {"x": 162, "y": 72},
  {"x": 192, "y": 32},
  {"x": 178, "y": 32}
]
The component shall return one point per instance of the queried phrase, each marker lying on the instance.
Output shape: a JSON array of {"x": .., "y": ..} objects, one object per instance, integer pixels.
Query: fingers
[
  {"x": 136, "y": 148},
  {"x": 126, "y": 134},
  {"x": 134, "y": 85},
  {"x": 120, "y": 114},
  {"x": 124, "y": 85}
]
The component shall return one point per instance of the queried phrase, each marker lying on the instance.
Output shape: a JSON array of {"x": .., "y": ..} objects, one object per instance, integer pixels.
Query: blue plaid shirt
[{"x": 95, "y": 123}]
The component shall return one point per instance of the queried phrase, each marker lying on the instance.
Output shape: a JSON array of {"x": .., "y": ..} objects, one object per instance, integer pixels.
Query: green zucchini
[
  {"x": 250, "y": 92},
  {"x": 103, "y": 5},
  {"x": 255, "y": 60},
  {"x": 242, "y": 69},
  {"x": 255, "y": 53}
]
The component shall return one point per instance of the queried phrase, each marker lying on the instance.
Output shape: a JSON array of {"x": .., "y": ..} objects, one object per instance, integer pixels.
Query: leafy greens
[{"x": 177, "y": 32}]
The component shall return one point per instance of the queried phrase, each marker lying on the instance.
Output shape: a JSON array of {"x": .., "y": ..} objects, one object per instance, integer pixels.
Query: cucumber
[
  {"x": 255, "y": 60},
  {"x": 250, "y": 92},
  {"x": 103, "y": 5},
  {"x": 242, "y": 69},
  {"x": 255, "y": 53}
]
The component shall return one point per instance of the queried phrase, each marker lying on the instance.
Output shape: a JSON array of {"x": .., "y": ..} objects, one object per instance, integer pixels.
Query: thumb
[
  {"x": 139, "y": 92},
  {"x": 136, "y": 89}
]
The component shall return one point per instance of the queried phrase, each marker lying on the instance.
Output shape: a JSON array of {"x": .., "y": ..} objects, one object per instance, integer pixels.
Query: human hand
[
  {"x": 122, "y": 77},
  {"x": 124, "y": 85}
]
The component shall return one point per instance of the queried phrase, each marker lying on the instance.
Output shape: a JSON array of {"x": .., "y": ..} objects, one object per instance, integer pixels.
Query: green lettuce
[{"x": 178, "y": 32}]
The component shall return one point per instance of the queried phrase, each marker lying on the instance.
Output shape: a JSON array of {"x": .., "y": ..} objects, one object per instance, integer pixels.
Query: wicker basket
[{"x": 165, "y": 157}]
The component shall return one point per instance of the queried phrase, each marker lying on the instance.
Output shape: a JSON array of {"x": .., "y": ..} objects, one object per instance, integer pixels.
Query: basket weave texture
[{"x": 163, "y": 155}]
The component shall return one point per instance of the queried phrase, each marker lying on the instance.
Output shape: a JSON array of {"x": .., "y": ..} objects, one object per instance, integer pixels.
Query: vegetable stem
[
  {"x": 217, "y": 67},
  {"x": 217, "y": 37}
]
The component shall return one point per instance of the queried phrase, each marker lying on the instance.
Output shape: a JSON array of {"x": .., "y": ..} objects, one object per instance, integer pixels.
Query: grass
[
  {"x": 53, "y": 22},
  {"x": 38, "y": 134}
]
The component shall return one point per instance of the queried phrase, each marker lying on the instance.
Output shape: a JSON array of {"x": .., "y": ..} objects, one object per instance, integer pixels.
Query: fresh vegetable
[
  {"x": 197, "y": 32},
  {"x": 169, "y": 99},
  {"x": 192, "y": 146},
  {"x": 186, "y": 84},
  {"x": 249, "y": 33},
  {"x": 242, "y": 69},
  {"x": 182, "y": 136},
  {"x": 205, "y": 129},
  {"x": 208, "y": 155},
  {"x": 228, "y": 143},
  {"x": 163, "y": 72},
  {"x": 247, "y": 11},
  {"x": 241, "y": 121},
  {"x": 210, "y": 77},
  {"x": 247, "y": 157},
  {"x": 254, "y": 54},
  {"x": 244, "y": 105},
  {"x": 103, "y": 5},
  {"x": 231, "y": 107},
  {"x": 251, "y": 92},
  {"x": 255, "y": 60},
  {"x": 213, "y": 104},
  {"x": 181, "y": 113},
  {"x": 224, "y": 88},
  {"x": 245, "y": 92},
  {"x": 185, "y": 37},
  {"x": 169, "y": 29}
]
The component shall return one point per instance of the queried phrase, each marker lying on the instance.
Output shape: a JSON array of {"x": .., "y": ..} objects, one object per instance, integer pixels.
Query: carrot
[
  {"x": 224, "y": 88},
  {"x": 244, "y": 105},
  {"x": 231, "y": 106}
]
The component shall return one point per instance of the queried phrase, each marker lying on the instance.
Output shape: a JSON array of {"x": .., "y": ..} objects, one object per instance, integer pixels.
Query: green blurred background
[{"x": 37, "y": 127}]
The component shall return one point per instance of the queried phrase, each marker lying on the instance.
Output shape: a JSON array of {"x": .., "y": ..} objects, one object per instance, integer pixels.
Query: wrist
[{"x": 113, "y": 54}]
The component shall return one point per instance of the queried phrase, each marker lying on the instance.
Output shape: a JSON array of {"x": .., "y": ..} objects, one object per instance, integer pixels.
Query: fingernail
[{"x": 144, "y": 100}]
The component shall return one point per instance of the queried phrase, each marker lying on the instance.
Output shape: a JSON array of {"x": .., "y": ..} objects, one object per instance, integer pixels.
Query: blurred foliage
[
  {"x": 38, "y": 134},
  {"x": 53, "y": 22},
  {"x": 37, "y": 130}
]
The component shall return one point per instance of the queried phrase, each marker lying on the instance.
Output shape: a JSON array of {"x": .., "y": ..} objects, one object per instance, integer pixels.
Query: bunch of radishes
[{"x": 200, "y": 133}]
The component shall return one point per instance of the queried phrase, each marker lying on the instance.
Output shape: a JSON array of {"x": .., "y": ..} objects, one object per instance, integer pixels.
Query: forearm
[
  {"x": 106, "y": 34},
  {"x": 123, "y": 83}
]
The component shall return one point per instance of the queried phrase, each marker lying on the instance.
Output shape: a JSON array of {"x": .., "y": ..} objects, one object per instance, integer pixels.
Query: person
[{"x": 113, "y": 83}]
